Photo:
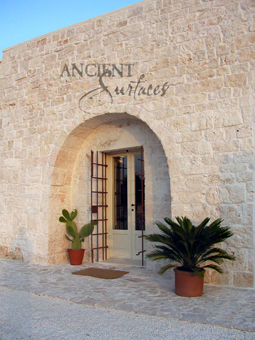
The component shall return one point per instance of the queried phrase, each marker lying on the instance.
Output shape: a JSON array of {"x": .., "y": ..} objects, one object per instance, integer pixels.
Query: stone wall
[
  {"x": 196, "y": 96},
  {"x": 126, "y": 135}
]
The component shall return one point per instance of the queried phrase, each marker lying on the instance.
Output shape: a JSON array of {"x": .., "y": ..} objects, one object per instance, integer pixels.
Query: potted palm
[
  {"x": 190, "y": 249},
  {"x": 76, "y": 237}
]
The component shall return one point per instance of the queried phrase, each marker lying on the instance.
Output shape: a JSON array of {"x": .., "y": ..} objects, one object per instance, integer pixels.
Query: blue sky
[{"x": 21, "y": 20}]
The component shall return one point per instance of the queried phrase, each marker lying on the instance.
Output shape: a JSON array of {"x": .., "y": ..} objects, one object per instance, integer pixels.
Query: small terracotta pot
[
  {"x": 188, "y": 284},
  {"x": 75, "y": 256}
]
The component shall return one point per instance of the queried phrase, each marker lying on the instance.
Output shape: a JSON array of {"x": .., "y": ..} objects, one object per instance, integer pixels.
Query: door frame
[{"x": 134, "y": 237}]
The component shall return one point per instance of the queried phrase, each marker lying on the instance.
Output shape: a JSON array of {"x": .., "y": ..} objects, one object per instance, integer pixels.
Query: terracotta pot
[
  {"x": 76, "y": 256},
  {"x": 188, "y": 284}
]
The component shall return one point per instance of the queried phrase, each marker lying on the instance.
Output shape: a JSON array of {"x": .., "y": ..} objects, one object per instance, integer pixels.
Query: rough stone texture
[
  {"x": 140, "y": 291},
  {"x": 203, "y": 124}
]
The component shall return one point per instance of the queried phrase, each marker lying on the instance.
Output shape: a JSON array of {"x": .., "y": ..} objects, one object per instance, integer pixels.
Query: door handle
[{"x": 133, "y": 205}]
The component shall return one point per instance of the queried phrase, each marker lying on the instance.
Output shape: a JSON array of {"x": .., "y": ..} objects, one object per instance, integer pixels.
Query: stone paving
[{"x": 141, "y": 290}]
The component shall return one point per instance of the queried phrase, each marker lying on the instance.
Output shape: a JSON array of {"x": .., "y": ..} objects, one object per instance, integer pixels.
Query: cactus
[{"x": 72, "y": 230}]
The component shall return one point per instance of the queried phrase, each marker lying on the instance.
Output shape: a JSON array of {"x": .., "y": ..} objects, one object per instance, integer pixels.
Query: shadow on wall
[
  {"x": 158, "y": 197},
  {"x": 21, "y": 247},
  {"x": 157, "y": 183},
  {"x": 127, "y": 135}
]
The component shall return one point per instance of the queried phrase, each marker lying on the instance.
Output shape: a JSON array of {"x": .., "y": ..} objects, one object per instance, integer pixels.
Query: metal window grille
[{"x": 99, "y": 206}]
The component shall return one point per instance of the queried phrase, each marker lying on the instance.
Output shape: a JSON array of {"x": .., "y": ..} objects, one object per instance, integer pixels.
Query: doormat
[{"x": 101, "y": 273}]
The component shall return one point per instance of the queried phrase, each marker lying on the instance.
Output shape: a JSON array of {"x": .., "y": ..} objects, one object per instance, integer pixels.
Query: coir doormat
[{"x": 101, "y": 273}]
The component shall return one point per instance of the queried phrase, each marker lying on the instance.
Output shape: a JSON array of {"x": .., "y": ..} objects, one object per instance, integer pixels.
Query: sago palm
[{"x": 191, "y": 248}]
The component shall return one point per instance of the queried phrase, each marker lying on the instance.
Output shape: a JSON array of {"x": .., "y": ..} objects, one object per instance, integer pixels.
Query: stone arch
[{"x": 64, "y": 182}]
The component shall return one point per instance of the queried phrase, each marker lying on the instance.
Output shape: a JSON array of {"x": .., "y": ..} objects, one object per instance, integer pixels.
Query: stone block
[
  {"x": 4, "y": 251},
  {"x": 242, "y": 239},
  {"x": 202, "y": 121},
  {"x": 220, "y": 279},
  {"x": 194, "y": 99},
  {"x": 231, "y": 214},
  {"x": 36, "y": 62},
  {"x": 248, "y": 214},
  {"x": 243, "y": 279},
  {"x": 199, "y": 148},
  {"x": 226, "y": 146},
  {"x": 250, "y": 191},
  {"x": 247, "y": 54},
  {"x": 217, "y": 195},
  {"x": 233, "y": 80},
  {"x": 208, "y": 85},
  {"x": 246, "y": 144},
  {"x": 236, "y": 193},
  {"x": 178, "y": 124},
  {"x": 66, "y": 52}
]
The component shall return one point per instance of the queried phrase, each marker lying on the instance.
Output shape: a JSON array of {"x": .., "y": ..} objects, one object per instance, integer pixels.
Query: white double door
[{"x": 126, "y": 193}]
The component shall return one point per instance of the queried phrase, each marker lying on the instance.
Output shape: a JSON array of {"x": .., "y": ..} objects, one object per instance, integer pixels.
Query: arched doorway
[{"x": 111, "y": 134}]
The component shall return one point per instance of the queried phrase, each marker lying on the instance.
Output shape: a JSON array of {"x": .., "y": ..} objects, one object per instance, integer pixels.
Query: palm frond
[
  {"x": 176, "y": 229},
  {"x": 163, "y": 228},
  {"x": 159, "y": 254},
  {"x": 215, "y": 267},
  {"x": 162, "y": 270},
  {"x": 198, "y": 272},
  {"x": 168, "y": 241},
  {"x": 189, "y": 245},
  {"x": 201, "y": 227},
  {"x": 218, "y": 258}
]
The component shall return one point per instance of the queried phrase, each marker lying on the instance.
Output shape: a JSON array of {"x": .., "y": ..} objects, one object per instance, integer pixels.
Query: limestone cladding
[{"x": 175, "y": 76}]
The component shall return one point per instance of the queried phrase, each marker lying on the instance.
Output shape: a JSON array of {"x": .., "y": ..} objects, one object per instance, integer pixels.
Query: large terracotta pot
[
  {"x": 188, "y": 284},
  {"x": 76, "y": 256}
]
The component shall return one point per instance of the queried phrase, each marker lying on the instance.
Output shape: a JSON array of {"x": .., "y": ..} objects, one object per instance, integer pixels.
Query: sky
[{"x": 22, "y": 20}]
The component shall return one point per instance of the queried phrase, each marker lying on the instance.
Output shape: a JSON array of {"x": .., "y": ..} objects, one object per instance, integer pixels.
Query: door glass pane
[
  {"x": 139, "y": 193},
  {"x": 120, "y": 190}
]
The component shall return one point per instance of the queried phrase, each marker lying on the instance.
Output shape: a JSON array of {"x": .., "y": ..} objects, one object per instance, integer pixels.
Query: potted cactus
[
  {"x": 190, "y": 249},
  {"x": 76, "y": 253}
]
